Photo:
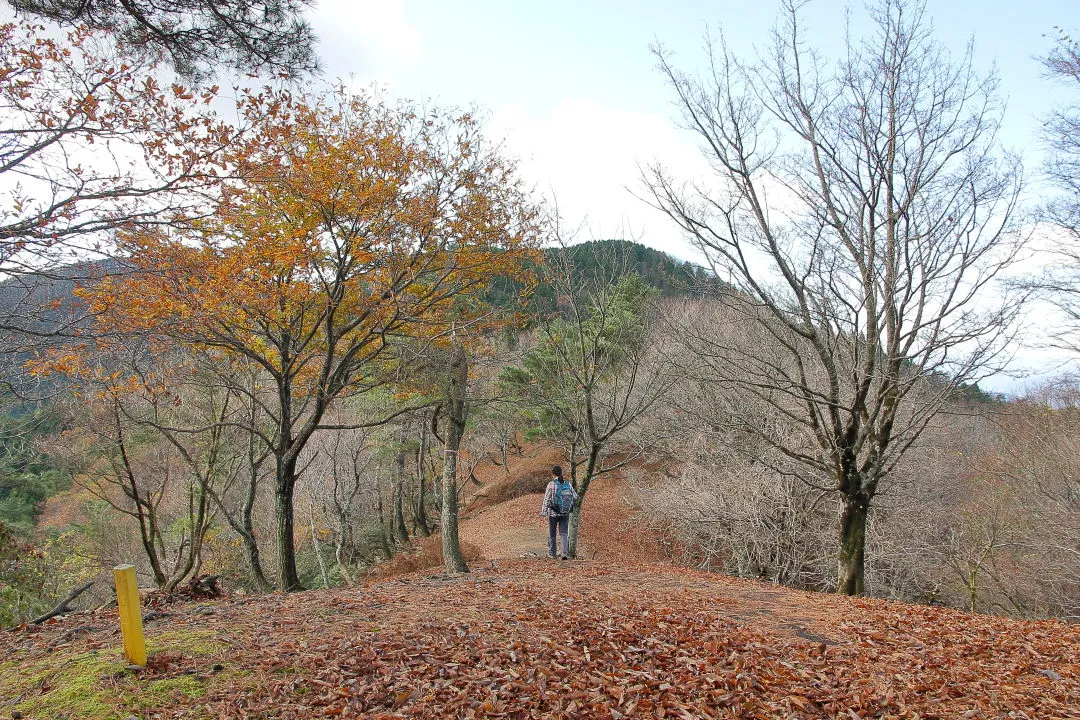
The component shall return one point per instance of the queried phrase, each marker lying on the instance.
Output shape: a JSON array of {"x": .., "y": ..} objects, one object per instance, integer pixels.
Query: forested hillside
[
  {"x": 288, "y": 379},
  {"x": 117, "y": 477},
  {"x": 598, "y": 262},
  {"x": 50, "y": 418},
  {"x": 306, "y": 358}
]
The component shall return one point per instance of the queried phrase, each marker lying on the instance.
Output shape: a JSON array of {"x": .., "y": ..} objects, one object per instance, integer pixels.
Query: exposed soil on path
[{"x": 612, "y": 533}]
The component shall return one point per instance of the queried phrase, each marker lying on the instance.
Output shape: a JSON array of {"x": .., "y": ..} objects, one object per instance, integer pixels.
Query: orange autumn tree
[{"x": 355, "y": 223}]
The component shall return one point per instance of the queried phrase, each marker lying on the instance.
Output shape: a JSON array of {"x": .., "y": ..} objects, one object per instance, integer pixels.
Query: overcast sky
[{"x": 572, "y": 90}]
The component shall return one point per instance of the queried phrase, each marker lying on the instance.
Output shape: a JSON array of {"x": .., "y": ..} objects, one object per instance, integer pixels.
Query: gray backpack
[{"x": 564, "y": 498}]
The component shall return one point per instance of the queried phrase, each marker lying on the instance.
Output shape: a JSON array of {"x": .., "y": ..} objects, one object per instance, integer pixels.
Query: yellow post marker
[{"x": 127, "y": 599}]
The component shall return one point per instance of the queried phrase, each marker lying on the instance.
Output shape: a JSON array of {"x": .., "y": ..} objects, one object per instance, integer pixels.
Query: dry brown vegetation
[{"x": 425, "y": 554}]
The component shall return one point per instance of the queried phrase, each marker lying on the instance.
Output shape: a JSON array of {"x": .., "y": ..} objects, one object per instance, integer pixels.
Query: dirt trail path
[
  {"x": 615, "y": 547},
  {"x": 514, "y": 528}
]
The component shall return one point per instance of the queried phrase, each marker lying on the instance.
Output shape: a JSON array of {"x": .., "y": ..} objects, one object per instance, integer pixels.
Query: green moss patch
[
  {"x": 58, "y": 686},
  {"x": 136, "y": 694},
  {"x": 185, "y": 642},
  {"x": 96, "y": 685}
]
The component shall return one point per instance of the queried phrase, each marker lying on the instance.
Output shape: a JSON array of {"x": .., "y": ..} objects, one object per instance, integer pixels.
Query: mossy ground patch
[{"x": 96, "y": 685}]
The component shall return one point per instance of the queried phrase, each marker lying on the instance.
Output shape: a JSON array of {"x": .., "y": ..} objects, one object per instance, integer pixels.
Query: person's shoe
[
  {"x": 564, "y": 557},
  {"x": 552, "y": 557}
]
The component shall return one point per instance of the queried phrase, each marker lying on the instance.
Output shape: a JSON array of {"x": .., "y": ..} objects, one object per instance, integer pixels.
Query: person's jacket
[{"x": 547, "y": 508}]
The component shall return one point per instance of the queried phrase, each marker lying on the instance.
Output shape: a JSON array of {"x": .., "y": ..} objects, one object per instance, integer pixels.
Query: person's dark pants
[{"x": 559, "y": 524}]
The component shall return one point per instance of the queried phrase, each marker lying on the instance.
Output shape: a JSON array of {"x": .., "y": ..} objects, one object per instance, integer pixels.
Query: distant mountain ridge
[{"x": 45, "y": 302}]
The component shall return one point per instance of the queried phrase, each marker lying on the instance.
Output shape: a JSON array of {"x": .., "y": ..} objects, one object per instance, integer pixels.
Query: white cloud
[
  {"x": 588, "y": 156},
  {"x": 373, "y": 38}
]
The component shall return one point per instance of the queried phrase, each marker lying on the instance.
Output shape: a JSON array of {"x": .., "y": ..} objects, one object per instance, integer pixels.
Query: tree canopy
[
  {"x": 352, "y": 223},
  {"x": 196, "y": 36}
]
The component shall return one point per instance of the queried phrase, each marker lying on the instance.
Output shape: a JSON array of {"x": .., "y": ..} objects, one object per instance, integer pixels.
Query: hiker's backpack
[{"x": 564, "y": 498}]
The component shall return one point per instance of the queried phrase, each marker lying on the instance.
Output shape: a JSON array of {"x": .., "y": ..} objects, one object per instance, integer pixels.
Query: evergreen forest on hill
[{"x": 595, "y": 263}]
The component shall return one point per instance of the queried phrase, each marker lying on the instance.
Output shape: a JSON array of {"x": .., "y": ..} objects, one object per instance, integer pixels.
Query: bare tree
[
  {"x": 1060, "y": 283},
  {"x": 1062, "y": 136},
  {"x": 862, "y": 213},
  {"x": 1033, "y": 467},
  {"x": 156, "y": 447}
]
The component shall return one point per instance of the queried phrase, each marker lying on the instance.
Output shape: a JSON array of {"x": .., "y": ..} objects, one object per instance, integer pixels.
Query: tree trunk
[
  {"x": 343, "y": 555},
  {"x": 144, "y": 512},
  {"x": 288, "y": 578},
  {"x": 247, "y": 534},
  {"x": 852, "y": 545},
  {"x": 457, "y": 411},
  {"x": 421, "y": 525},
  {"x": 254, "y": 559},
  {"x": 582, "y": 487},
  {"x": 572, "y": 527},
  {"x": 420, "y": 514},
  {"x": 397, "y": 517},
  {"x": 246, "y": 527},
  {"x": 148, "y": 536},
  {"x": 382, "y": 537}
]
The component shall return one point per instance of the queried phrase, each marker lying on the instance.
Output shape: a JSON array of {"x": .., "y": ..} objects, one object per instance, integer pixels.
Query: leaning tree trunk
[
  {"x": 254, "y": 561},
  {"x": 852, "y": 544},
  {"x": 457, "y": 411},
  {"x": 246, "y": 530},
  {"x": 144, "y": 510},
  {"x": 582, "y": 487}
]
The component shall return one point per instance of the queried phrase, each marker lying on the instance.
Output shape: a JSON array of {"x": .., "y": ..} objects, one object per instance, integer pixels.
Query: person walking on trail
[{"x": 559, "y": 497}]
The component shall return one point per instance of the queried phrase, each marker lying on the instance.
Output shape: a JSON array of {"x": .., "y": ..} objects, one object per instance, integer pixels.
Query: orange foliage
[
  {"x": 350, "y": 222},
  {"x": 343, "y": 225}
]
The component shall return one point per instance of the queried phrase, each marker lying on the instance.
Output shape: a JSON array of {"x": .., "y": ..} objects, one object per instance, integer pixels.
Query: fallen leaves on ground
[{"x": 535, "y": 638}]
